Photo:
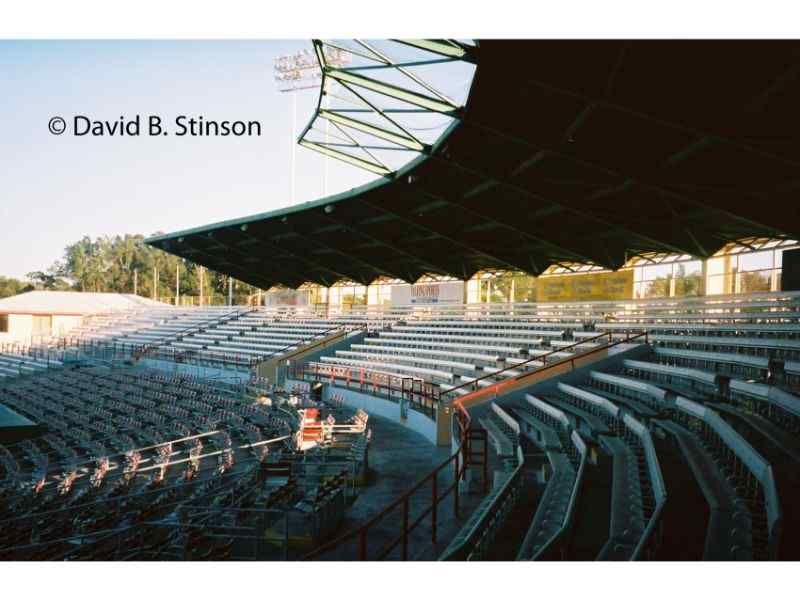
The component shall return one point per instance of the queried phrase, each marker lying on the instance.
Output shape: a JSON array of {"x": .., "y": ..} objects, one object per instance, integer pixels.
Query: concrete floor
[{"x": 398, "y": 459}]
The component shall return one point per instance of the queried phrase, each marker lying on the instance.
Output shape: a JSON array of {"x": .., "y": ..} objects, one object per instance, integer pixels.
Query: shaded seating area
[{"x": 566, "y": 454}]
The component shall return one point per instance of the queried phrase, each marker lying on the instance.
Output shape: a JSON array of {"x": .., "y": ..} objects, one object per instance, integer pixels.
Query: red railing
[
  {"x": 500, "y": 385},
  {"x": 461, "y": 458},
  {"x": 543, "y": 358},
  {"x": 422, "y": 396},
  {"x": 355, "y": 544}
]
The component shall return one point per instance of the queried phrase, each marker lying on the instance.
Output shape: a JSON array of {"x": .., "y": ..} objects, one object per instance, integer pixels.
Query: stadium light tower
[{"x": 301, "y": 71}]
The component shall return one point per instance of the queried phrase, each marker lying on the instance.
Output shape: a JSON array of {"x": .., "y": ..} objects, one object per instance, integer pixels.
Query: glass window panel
[
  {"x": 755, "y": 261},
  {"x": 688, "y": 278},
  {"x": 656, "y": 272},
  {"x": 657, "y": 288},
  {"x": 501, "y": 290},
  {"x": 755, "y": 281}
]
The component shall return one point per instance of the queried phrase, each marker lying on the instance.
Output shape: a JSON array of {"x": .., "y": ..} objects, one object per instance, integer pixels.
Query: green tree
[
  {"x": 113, "y": 263},
  {"x": 11, "y": 287},
  {"x": 48, "y": 280}
]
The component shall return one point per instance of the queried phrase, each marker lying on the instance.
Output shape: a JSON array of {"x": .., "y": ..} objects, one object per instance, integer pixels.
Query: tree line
[{"x": 125, "y": 264}]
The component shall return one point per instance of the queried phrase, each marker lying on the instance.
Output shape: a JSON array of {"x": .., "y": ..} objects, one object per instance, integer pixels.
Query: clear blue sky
[{"x": 55, "y": 189}]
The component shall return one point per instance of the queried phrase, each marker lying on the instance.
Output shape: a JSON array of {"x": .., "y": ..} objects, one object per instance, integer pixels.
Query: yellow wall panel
[{"x": 586, "y": 287}]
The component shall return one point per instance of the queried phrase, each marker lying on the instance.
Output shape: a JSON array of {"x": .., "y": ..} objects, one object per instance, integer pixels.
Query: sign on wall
[
  {"x": 287, "y": 298},
  {"x": 585, "y": 287},
  {"x": 444, "y": 292}
]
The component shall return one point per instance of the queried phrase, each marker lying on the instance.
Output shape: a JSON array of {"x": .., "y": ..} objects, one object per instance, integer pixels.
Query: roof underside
[{"x": 580, "y": 151}]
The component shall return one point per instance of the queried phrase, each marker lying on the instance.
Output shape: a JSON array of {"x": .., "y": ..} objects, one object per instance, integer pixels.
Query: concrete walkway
[{"x": 398, "y": 459}]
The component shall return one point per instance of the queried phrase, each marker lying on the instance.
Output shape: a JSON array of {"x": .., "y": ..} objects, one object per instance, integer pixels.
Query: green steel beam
[
  {"x": 423, "y": 260},
  {"x": 605, "y": 222},
  {"x": 416, "y": 79},
  {"x": 442, "y": 47},
  {"x": 233, "y": 270},
  {"x": 283, "y": 275},
  {"x": 339, "y": 270},
  {"x": 315, "y": 264},
  {"x": 601, "y": 102},
  {"x": 525, "y": 192},
  {"x": 408, "y": 219},
  {"x": 402, "y": 65},
  {"x": 350, "y": 51},
  {"x": 374, "y": 130},
  {"x": 348, "y": 158},
  {"x": 393, "y": 91},
  {"x": 517, "y": 226}
]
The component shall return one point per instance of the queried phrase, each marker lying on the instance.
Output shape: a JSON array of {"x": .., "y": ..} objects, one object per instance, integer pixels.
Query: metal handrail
[
  {"x": 426, "y": 391},
  {"x": 628, "y": 338},
  {"x": 542, "y": 358},
  {"x": 325, "y": 332},
  {"x": 487, "y": 519},
  {"x": 183, "y": 355},
  {"x": 196, "y": 329},
  {"x": 459, "y": 457}
]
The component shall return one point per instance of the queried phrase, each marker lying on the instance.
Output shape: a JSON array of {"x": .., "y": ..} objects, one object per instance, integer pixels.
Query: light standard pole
[{"x": 301, "y": 71}]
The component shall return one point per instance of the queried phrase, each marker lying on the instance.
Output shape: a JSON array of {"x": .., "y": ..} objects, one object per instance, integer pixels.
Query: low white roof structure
[{"x": 72, "y": 303}]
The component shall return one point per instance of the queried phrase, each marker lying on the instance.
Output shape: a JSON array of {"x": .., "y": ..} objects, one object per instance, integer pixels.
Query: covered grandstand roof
[
  {"x": 71, "y": 303},
  {"x": 566, "y": 151}
]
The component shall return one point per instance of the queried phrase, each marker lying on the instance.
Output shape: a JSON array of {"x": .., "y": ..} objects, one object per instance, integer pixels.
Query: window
[
  {"x": 755, "y": 281},
  {"x": 500, "y": 289},
  {"x": 652, "y": 281},
  {"x": 379, "y": 294},
  {"x": 688, "y": 278},
  {"x": 3, "y": 323}
]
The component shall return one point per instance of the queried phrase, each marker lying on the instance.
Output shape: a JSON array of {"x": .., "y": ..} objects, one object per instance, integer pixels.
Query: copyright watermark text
[{"x": 153, "y": 126}]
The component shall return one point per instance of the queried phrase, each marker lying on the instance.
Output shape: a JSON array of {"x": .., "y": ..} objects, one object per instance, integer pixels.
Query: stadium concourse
[{"x": 587, "y": 428}]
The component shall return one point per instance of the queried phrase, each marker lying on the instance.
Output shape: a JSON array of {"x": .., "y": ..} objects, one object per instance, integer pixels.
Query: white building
[{"x": 40, "y": 314}]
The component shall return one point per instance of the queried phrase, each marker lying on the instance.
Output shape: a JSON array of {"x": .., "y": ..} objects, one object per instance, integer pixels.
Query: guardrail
[
  {"x": 192, "y": 329},
  {"x": 542, "y": 358},
  {"x": 482, "y": 531},
  {"x": 355, "y": 544},
  {"x": 496, "y": 388},
  {"x": 420, "y": 395},
  {"x": 344, "y": 328},
  {"x": 41, "y": 354},
  {"x": 387, "y": 384},
  {"x": 424, "y": 396}
]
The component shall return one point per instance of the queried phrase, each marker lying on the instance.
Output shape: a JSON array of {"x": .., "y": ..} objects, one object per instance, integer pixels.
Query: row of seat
[
  {"x": 14, "y": 365},
  {"x": 736, "y": 480},
  {"x": 697, "y": 401},
  {"x": 454, "y": 353},
  {"x": 127, "y": 445},
  {"x": 550, "y": 429}
]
